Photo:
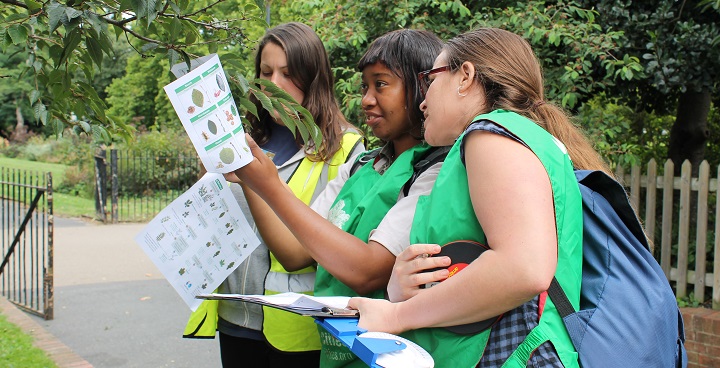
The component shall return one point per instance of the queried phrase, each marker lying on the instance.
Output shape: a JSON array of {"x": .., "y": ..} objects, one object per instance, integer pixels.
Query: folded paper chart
[
  {"x": 203, "y": 102},
  {"x": 199, "y": 238}
]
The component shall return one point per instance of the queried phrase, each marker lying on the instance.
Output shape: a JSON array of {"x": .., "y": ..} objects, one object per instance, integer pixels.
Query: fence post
[
  {"x": 667, "y": 215},
  {"x": 114, "y": 181},
  {"x": 49, "y": 272},
  {"x": 701, "y": 231},
  {"x": 716, "y": 264},
  {"x": 650, "y": 197},
  {"x": 683, "y": 228},
  {"x": 100, "y": 184}
]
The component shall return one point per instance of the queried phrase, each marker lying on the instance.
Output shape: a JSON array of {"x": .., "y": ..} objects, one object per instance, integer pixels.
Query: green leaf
[
  {"x": 242, "y": 83},
  {"x": 175, "y": 28},
  {"x": 70, "y": 42},
  {"x": 40, "y": 112},
  {"x": 97, "y": 24},
  {"x": 33, "y": 5},
  {"x": 56, "y": 15},
  {"x": 173, "y": 57},
  {"x": 34, "y": 96},
  {"x": 95, "y": 50},
  {"x": 289, "y": 122},
  {"x": 145, "y": 9},
  {"x": 264, "y": 100},
  {"x": 72, "y": 13},
  {"x": 274, "y": 90},
  {"x": 57, "y": 127},
  {"x": 249, "y": 106},
  {"x": 18, "y": 34}
]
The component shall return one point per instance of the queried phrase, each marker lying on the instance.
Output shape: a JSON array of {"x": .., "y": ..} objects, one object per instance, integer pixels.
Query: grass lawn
[
  {"x": 17, "y": 349},
  {"x": 64, "y": 205}
]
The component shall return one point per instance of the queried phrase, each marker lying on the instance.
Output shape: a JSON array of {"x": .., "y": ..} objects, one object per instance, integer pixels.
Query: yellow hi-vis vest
[
  {"x": 202, "y": 323},
  {"x": 284, "y": 330}
]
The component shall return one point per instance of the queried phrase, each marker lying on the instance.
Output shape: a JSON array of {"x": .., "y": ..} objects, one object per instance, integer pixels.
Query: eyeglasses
[{"x": 424, "y": 77}]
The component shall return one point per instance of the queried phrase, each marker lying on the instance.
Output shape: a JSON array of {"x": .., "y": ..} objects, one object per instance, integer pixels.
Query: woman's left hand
[{"x": 376, "y": 315}]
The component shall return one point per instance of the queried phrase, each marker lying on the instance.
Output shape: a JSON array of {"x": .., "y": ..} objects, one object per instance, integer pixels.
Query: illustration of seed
[
  {"x": 220, "y": 82},
  {"x": 197, "y": 98},
  {"x": 212, "y": 127},
  {"x": 227, "y": 155}
]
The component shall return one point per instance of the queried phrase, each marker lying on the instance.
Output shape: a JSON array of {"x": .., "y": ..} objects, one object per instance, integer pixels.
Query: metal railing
[
  {"x": 26, "y": 240},
  {"x": 133, "y": 187}
]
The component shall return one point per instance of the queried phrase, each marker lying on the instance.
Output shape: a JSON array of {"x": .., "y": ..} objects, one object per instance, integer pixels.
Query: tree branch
[{"x": 15, "y": 3}]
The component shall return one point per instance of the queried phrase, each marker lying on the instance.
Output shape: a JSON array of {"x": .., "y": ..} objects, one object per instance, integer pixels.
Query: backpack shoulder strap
[
  {"x": 607, "y": 187},
  {"x": 432, "y": 156},
  {"x": 363, "y": 159}
]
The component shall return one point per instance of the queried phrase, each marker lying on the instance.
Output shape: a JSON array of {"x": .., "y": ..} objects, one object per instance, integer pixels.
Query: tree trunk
[
  {"x": 19, "y": 134},
  {"x": 689, "y": 134}
]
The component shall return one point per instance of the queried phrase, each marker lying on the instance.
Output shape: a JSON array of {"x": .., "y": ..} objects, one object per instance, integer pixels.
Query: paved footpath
[{"x": 113, "y": 308}]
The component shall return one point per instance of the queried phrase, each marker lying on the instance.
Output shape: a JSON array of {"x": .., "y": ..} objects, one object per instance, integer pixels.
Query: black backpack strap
[
  {"x": 558, "y": 297},
  {"x": 432, "y": 156},
  {"x": 362, "y": 160}
]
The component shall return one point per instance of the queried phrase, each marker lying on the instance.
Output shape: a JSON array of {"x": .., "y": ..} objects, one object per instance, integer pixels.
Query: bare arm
[
  {"x": 512, "y": 198},
  {"x": 364, "y": 267}
]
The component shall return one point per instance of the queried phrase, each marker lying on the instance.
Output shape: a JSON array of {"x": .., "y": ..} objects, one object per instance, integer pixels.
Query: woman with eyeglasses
[
  {"x": 361, "y": 221},
  {"x": 507, "y": 183}
]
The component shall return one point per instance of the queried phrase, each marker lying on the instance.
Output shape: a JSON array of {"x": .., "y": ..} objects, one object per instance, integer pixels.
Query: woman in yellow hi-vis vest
[
  {"x": 293, "y": 57},
  {"x": 368, "y": 211}
]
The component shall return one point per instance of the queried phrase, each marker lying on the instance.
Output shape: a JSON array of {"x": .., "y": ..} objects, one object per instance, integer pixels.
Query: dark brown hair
[{"x": 310, "y": 71}]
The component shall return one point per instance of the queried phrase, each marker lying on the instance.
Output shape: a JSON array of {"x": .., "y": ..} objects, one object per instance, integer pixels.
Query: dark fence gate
[
  {"x": 135, "y": 186},
  {"x": 26, "y": 240}
]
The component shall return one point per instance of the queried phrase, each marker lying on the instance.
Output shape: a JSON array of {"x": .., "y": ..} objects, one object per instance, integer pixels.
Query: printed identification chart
[
  {"x": 199, "y": 239},
  {"x": 205, "y": 106}
]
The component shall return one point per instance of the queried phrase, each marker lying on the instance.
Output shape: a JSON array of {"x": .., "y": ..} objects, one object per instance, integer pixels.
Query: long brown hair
[
  {"x": 511, "y": 76},
  {"x": 309, "y": 70}
]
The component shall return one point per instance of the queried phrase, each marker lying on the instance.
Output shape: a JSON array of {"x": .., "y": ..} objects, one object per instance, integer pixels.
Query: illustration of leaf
[
  {"x": 212, "y": 127},
  {"x": 197, "y": 98},
  {"x": 232, "y": 110},
  {"x": 227, "y": 155},
  {"x": 220, "y": 82}
]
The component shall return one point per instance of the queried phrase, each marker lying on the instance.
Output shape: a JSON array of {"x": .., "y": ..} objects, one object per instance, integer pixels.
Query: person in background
[
  {"x": 362, "y": 220},
  {"x": 291, "y": 56},
  {"x": 507, "y": 183}
]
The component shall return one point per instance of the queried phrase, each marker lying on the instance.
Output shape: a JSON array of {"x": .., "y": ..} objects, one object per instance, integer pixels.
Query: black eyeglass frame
[{"x": 424, "y": 78}]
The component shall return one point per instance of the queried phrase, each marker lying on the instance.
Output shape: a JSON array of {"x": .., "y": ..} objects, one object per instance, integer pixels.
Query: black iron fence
[
  {"x": 134, "y": 186},
  {"x": 26, "y": 240}
]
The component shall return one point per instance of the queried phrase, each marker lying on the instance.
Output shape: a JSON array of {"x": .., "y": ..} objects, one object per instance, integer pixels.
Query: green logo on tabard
[{"x": 219, "y": 184}]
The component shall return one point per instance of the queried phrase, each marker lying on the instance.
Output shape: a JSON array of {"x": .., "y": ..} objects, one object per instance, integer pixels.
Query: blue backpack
[{"x": 628, "y": 313}]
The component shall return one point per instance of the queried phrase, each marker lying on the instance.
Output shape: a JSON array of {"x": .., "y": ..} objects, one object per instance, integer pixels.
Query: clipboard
[
  {"x": 304, "y": 305},
  {"x": 376, "y": 349}
]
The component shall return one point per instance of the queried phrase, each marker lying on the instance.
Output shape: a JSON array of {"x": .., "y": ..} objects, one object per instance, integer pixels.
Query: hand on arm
[{"x": 410, "y": 272}]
